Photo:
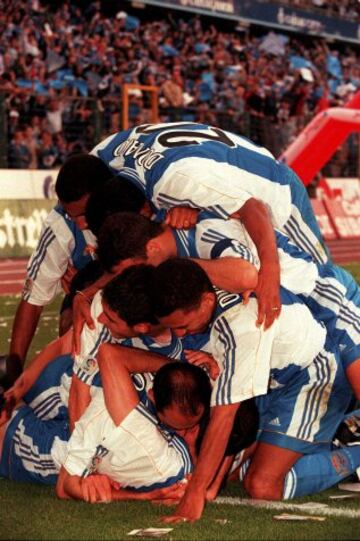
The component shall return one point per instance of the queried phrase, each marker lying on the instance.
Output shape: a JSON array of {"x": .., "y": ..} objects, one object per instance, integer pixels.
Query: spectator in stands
[
  {"x": 19, "y": 154},
  {"x": 47, "y": 151},
  {"x": 54, "y": 116},
  {"x": 31, "y": 142},
  {"x": 173, "y": 99}
]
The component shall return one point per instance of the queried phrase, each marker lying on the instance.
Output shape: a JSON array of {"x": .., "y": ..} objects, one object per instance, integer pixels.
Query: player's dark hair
[
  {"x": 178, "y": 284},
  {"x": 80, "y": 175},
  {"x": 82, "y": 279},
  {"x": 245, "y": 427},
  {"x": 117, "y": 195},
  {"x": 183, "y": 384},
  {"x": 128, "y": 295},
  {"x": 124, "y": 235}
]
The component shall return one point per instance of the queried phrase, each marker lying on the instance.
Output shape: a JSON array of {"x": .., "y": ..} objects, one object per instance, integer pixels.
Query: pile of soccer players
[{"x": 205, "y": 334}]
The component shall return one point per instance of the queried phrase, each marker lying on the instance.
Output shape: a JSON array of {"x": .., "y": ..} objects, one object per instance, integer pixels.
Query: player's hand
[
  {"x": 67, "y": 278},
  {"x": 170, "y": 495},
  {"x": 81, "y": 315},
  {"x": 268, "y": 295},
  {"x": 204, "y": 360},
  {"x": 182, "y": 217},
  {"x": 97, "y": 488},
  {"x": 12, "y": 397},
  {"x": 189, "y": 509}
]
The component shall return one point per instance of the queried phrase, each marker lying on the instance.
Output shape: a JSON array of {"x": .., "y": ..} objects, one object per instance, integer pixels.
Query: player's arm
[
  {"x": 25, "y": 323},
  {"x": 255, "y": 217},
  {"x": 118, "y": 362},
  {"x": 210, "y": 457},
  {"x": 230, "y": 273},
  {"x": 79, "y": 399},
  {"x": 25, "y": 381},
  {"x": 100, "y": 488},
  {"x": 47, "y": 265},
  {"x": 81, "y": 308}
]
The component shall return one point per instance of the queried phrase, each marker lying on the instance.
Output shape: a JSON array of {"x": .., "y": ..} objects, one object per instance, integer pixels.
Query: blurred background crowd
[{"x": 63, "y": 65}]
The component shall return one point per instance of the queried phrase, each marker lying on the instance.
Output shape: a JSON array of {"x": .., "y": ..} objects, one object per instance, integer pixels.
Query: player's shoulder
[
  {"x": 232, "y": 312},
  {"x": 110, "y": 142},
  {"x": 62, "y": 227}
]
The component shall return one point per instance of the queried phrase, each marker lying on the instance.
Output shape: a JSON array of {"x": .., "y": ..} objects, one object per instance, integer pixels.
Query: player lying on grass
[
  {"x": 319, "y": 468},
  {"x": 293, "y": 369},
  {"x": 138, "y": 452}
]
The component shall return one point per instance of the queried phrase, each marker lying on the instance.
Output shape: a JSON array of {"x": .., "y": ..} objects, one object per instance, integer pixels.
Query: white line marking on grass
[{"x": 316, "y": 508}]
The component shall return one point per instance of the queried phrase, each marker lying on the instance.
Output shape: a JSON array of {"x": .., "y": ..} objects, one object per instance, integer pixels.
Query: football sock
[{"x": 313, "y": 473}]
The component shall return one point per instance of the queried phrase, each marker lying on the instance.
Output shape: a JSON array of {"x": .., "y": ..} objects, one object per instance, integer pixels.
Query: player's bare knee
[{"x": 262, "y": 487}]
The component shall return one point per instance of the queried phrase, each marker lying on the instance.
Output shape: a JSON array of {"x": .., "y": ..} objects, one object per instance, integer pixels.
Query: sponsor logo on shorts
[{"x": 340, "y": 464}]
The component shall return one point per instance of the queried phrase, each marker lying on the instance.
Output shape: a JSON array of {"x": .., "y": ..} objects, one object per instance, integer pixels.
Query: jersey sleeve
[
  {"x": 243, "y": 352},
  {"x": 83, "y": 446},
  {"x": 225, "y": 238},
  {"x": 49, "y": 261},
  {"x": 85, "y": 364}
]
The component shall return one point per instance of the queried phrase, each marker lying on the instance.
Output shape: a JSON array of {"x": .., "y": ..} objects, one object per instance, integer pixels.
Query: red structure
[{"x": 315, "y": 145}]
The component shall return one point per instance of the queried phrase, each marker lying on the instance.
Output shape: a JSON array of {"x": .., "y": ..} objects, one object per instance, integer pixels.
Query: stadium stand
[{"x": 62, "y": 69}]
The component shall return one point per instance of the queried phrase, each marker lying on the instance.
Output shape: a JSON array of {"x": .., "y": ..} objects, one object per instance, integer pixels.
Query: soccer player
[
  {"x": 138, "y": 440},
  {"x": 64, "y": 246},
  {"x": 292, "y": 368},
  {"x": 208, "y": 168}
]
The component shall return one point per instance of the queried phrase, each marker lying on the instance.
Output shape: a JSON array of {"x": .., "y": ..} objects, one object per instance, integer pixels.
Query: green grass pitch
[{"x": 33, "y": 512}]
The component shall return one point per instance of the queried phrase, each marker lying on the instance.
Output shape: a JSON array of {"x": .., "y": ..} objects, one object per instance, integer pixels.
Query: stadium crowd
[{"x": 62, "y": 69}]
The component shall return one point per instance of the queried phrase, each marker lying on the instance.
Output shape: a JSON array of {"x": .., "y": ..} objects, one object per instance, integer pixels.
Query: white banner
[{"x": 28, "y": 184}]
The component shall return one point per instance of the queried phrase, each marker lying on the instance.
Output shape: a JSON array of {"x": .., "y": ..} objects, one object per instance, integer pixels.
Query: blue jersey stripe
[{"x": 46, "y": 240}]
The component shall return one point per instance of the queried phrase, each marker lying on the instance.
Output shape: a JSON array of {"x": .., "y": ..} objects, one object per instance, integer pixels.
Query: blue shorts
[
  {"x": 303, "y": 414},
  {"x": 336, "y": 301},
  {"x": 46, "y": 396},
  {"x": 28, "y": 445}
]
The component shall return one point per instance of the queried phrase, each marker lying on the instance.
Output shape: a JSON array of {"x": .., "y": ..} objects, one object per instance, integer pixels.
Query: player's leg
[
  {"x": 33, "y": 449},
  {"x": 317, "y": 472},
  {"x": 47, "y": 396},
  {"x": 335, "y": 301},
  {"x": 301, "y": 418},
  {"x": 268, "y": 468}
]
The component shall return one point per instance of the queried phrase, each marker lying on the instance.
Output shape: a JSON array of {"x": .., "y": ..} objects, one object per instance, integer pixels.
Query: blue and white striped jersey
[
  {"x": 247, "y": 355},
  {"x": 205, "y": 167},
  {"x": 329, "y": 291},
  {"x": 61, "y": 243},
  {"x": 139, "y": 453},
  {"x": 86, "y": 367}
]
